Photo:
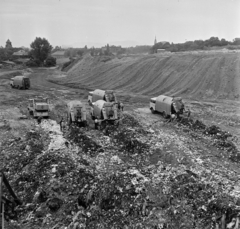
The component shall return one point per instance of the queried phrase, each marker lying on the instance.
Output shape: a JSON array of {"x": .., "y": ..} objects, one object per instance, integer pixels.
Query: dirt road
[{"x": 224, "y": 113}]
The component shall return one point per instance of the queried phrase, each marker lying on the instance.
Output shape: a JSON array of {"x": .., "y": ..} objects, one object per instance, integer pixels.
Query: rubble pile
[
  {"x": 78, "y": 136},
  {"x": 128, "y": 141},
  {"x": 221, "y": 139},
  {"x": 125, "y": 177}
]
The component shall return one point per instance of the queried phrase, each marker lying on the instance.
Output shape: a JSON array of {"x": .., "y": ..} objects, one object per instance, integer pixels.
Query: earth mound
[{"x": 191, "y": 75}]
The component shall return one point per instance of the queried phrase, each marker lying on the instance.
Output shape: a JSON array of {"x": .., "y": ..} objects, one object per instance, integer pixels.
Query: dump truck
[
  {"x": 104, "y": 113},
  {"x": 20, "y": 82},
  {"x": 76, "y": 113},
  {"x": 39, "y": 107},
  {"x": 167, "y": 105}
]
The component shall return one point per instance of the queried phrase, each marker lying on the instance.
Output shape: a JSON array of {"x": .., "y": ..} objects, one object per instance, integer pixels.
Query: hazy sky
[{"x": 120, "y": 22}]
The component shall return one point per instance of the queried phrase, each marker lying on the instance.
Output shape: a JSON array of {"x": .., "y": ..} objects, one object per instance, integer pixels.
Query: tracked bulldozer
[
  {"x": 76, "y": 113},
  {"x": 104, "y": 113}
]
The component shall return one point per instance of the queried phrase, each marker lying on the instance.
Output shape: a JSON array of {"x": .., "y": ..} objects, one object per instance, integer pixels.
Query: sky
[{"x": 77, "y": 23}]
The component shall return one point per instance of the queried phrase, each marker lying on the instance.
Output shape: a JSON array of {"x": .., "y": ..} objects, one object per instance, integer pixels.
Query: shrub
[
  {"x": 66, "y": 65},
  {"x": 33, "y": 63},
  {"x": 50, "y": 61}
]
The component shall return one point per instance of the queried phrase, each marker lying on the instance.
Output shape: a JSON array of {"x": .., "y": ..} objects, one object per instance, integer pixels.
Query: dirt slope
[{"x": 191, "y": 75}]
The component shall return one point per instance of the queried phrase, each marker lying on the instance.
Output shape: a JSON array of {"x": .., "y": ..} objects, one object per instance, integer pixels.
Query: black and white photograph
[{"x": 119, "y": 114}]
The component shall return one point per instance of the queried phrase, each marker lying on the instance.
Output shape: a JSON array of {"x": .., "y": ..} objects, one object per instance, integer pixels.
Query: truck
[
  {"x": 76, "y": 113},
  {"x": 39, "y": 107},
  {"x": 20, "y": 82},
  {"x": 104, "y": 113},
  {"x": 167, "y": 105},
  {"x": 107, "y": 95},
  {"x": 98, "y": 94}
]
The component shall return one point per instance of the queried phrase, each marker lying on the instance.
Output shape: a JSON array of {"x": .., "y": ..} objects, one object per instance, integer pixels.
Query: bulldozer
[
  {"x": 39, "y": 107},
  {"x": 104, "y": 113},
  {"x": 76, "y": 113},
  {"x": 167, "y": 105}
]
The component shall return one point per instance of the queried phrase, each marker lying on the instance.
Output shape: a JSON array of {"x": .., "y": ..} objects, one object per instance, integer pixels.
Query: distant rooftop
[
  {"x": 8, "y": 62},
  {"x": 58, "y": 53},
  {"x": 20, "y": 53}
]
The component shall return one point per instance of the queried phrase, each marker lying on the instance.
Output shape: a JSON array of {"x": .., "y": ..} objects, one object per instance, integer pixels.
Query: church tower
[
  {"x": 155, "y": 41},
  {"x": 8, "y": 44}
]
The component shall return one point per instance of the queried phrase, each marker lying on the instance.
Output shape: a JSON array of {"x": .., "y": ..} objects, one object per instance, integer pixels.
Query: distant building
[
  {"x": 236, "y": 41},
  {"x": 58, "y": 54},
  {"x": 161, "y": 50},
  {"x": 8, "y": 44},
  {"x": 8, "y": 63},
  {"x": 20, "y": 53},
  {"x": 163, "y": 42},
  {"x": 22, "y": 61}
]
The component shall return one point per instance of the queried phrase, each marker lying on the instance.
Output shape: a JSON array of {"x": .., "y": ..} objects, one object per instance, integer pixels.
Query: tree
[
  {"x": 92, "y": 52},
  {"x": 108, "y": 49},
  {"x": 41, "y": 48}
]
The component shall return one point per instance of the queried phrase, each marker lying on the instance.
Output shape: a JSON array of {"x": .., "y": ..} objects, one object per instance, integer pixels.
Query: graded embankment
[{"x": 191, "y": 75}]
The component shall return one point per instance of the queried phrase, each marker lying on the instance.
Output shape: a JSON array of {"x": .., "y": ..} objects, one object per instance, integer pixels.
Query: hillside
[{"x": 191, "y": 75}]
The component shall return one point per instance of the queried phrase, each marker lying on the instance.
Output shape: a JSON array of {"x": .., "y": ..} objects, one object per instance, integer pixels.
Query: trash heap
[
  {"x": 221, "y": 139},
  {"x": 125, "y": 177}
]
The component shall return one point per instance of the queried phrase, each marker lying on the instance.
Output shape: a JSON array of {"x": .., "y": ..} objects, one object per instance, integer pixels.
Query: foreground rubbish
[{"x": 129, "y": 176}]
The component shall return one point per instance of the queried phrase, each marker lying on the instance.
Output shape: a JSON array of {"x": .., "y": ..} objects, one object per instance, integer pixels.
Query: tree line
[
  {"x": 195, "y": 45},
  {"x": 41, "y": 49}
]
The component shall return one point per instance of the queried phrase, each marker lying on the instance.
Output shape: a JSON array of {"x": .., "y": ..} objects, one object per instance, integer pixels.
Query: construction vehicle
[
  {"x": 20, "y": 82},
  {"x": 39, "y": 107},
  {"x": 167, "y": 105},
  {"x": 76, "y": 113},
  {"x": 104, "y": 113}
]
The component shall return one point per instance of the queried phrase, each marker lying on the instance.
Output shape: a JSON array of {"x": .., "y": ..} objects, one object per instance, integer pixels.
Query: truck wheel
[
  {"x": 99, "y": 126},
  {"x": 152, "y": 110},
  {"x": 69, "y": 120},
  {"x": 164, "y": 114},
  {"x": 85, "y": 124}
]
